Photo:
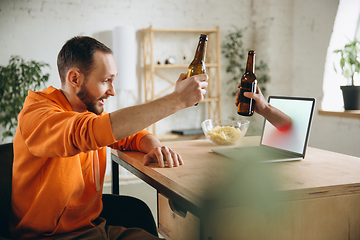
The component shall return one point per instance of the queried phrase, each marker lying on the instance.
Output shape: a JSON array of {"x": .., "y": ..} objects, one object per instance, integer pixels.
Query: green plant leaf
[
  {"x": 15, "y": 80},
  {"x": 349, "y": 63},
  {"x": 233, "y": 50}
]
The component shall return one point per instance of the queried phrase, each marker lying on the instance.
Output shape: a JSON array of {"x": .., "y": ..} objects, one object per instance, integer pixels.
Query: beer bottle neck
[
  {"x": 200, "y": 51},
  {"x": 250, "y": 65}
]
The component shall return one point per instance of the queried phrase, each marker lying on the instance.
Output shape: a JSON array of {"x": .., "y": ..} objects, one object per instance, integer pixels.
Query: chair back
[{"x": 6, "y": 163}]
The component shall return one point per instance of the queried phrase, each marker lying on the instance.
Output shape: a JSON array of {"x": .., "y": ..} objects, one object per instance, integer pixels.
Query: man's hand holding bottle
[
  {"x": 276, "y": 117},
  {"x": 190, "y": 90}
]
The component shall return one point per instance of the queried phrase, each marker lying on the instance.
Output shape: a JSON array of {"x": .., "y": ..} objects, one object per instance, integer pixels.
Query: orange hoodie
[{"x": 59, "y": 155}]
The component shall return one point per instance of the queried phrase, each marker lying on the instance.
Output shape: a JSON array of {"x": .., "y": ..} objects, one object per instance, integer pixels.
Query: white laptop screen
[{"x": 295, "y": 139}]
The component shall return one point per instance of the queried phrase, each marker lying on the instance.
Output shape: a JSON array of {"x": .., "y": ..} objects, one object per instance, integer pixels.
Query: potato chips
[{"x": 223, "y": 135}]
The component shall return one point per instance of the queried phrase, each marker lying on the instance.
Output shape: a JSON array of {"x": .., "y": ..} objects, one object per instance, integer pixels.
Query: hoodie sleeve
[
  {"x": 50, "y": 131},
  {"x": 131, "y": 143}
]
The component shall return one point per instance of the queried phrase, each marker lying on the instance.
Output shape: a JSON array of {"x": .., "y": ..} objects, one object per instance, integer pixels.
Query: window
[{"x": 346, "y": 27}]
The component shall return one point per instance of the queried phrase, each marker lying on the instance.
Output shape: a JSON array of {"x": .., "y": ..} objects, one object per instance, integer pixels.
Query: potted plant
[
  {"x": 232, "y": 48},
  {"x": 15, "y": 80},
  {"x": 349, "y": 65}
]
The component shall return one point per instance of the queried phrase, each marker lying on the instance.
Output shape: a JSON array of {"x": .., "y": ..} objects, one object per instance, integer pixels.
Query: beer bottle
[
  {"x": 197, "y": 66},
  {"x": 247, "y": 84}
]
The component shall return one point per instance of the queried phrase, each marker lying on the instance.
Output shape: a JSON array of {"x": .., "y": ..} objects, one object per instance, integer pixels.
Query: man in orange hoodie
[{"x": 60, "y": 154}]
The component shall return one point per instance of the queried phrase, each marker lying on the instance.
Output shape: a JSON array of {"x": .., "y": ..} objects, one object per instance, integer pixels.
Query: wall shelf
[
  {"x": 169, "y": 30},
  {"x": 208, "y": 65},
  {"x": 151, "y": 69},
  {"x": 347, "y": 114}
]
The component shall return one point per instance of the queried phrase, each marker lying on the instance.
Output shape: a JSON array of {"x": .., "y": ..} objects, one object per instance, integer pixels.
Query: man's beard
[{"x": 89, "y": 100}]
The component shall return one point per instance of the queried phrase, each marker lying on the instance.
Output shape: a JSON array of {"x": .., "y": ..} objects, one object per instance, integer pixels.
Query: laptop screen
[{"x": 295, "y": 139}]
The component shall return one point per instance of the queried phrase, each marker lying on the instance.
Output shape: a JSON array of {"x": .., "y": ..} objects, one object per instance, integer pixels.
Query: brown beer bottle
[
  {"x": 247, "y": 84},
  {"x": 197, "y": 66}
]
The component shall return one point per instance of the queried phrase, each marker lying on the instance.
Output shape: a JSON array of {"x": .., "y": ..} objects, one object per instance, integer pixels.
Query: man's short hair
[{"x": 79, "y": 52}]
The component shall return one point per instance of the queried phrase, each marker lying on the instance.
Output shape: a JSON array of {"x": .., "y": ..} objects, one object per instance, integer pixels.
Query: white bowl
[{"x": 224, "y": 132}]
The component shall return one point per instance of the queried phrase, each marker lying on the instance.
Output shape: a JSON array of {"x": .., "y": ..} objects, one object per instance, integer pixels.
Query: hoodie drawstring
[{"x": 95, "y": 169}]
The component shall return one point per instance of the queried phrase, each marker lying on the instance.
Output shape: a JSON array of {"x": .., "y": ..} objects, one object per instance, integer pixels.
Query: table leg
[{"x": 115, "y": 177}]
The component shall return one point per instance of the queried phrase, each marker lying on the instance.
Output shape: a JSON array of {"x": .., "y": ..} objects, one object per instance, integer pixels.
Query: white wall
[
  {"x": 291, "y": 35},
  {"x": 37, "y": 29},
  {"x": 313, "y": 24}
]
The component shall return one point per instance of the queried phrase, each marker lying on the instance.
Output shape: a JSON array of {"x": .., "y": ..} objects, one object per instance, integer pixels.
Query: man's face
[
  {"x": 91, "y": 102},
  {"x": 98, "y": 85}
]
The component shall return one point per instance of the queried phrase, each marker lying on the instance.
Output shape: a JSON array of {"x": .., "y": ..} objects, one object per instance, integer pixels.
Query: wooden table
[{"x": 214, "y": 197}]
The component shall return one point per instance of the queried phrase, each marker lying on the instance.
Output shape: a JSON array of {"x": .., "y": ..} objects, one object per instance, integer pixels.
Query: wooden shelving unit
[{"x": 150, "y": 67}]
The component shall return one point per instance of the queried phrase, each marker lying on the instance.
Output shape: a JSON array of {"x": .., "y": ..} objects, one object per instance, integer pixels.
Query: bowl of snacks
[{"x": 224, "y": 132}]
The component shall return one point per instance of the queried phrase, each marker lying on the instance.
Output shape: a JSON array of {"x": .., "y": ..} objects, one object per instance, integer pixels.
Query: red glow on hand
[{"x": 286, "y": 127}]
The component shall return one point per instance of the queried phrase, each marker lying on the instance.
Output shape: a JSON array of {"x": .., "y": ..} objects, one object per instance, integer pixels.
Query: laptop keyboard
[{"x": 260, "y": 153}]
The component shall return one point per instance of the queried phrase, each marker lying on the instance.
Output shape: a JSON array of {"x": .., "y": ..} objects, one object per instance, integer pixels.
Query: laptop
[{"x": 277, "y": 146}]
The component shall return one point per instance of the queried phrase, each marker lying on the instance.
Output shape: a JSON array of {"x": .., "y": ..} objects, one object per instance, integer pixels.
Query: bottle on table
[
  {"x": 197, "y": 66},
  {"x": 247, "y": 84}
]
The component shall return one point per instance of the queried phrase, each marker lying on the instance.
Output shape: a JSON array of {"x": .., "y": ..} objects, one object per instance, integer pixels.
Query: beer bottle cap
[
  {"x": 251, "y": 52},
  {"x": 204, "y": 37}
]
